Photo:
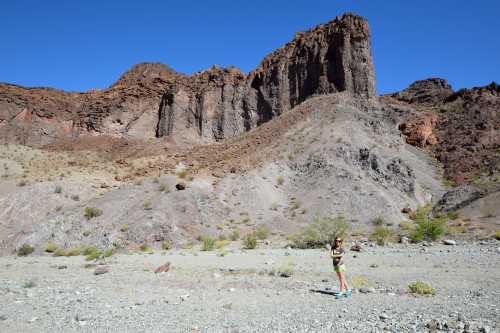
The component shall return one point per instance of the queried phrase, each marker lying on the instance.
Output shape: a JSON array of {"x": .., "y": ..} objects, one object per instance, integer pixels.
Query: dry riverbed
[{"x": 244, "y": 292}]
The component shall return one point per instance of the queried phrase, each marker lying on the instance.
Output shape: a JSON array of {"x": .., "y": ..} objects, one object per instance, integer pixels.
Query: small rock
[
  {"x": 228, "y": 306},
  {"x": 484, "y": 329},
  {"x": 101, "y": 270},
  {"x": 163, "y": 268},
  {"x": 449, "y": 242},
  {"x": 356, "y": 248},
  {"x": 498, "y": 250},
  {"x": 33, "y": 319},
  {"x": 406, "y": 210},
  {"x": 434, "y": 325},
  {"x": 3, "y": 318},
  {"x": 384, "y": 316},
  {"x": 180, "y": 186},
  {"x": 405, "y": 240},
  {"x": 62, "y": 267},
  {"x": 184, "y": 297},
  {"x": 366, "y": 290},
  {"x": 231, "y": 290}
]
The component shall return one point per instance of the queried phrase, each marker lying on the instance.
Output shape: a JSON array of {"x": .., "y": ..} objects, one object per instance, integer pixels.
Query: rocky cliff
[
  {"x": 462, "y": 129},
  {"x": 152, "y": 100}
]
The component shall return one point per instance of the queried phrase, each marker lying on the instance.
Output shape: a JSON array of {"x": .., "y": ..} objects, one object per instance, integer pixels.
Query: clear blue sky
[{"x": 82, "y": 44}]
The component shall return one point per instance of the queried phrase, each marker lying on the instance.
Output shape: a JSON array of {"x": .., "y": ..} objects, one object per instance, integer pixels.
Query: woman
[{"x": 337, "y": 255}]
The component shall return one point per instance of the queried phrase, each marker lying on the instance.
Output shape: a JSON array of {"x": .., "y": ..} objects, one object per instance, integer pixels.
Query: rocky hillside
[
  {"x": 462, "y": 129},
  {"x": 152, "y": 100}
]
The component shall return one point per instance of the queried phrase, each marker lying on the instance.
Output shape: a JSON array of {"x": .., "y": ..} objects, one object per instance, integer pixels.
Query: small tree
[{"x": 321, "y": 232}]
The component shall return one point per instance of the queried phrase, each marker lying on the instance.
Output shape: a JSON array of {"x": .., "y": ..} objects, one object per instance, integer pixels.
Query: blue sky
[{"x": 79, "y": 45}]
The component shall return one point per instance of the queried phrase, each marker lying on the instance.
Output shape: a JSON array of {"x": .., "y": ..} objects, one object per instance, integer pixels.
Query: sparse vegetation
[
  {"x": 108, "y": 253},
  {"x": 235, "y": 235},
  {"x": 29, "y": 284},
  {"x": 250, "y": 242},
  {"x": 262, "y": 232},
  {"x": 124, "y": 228},
  {"x": 92, "y": 212},
  {"x": 382, "y": 235},
  {"x": 73, "y": 252},
  {"x": 146, "y": 248},
  {"x": 428, "y": 228},
  {"x": 359, "y": 281},
  {"x": 379, "y": 221},
  {"x": 208, "y": 243},
  {"x": 280, "y": 180},
  {"x": 219, "y": 244},
  {"x": 182, "y": 174},
  {"x": 147, "y": 205},
  {"x": 497, "y": 235},
  {"x": 421, "y": 288},
  {"x": 162, "y": 188},
  {"x": 51, "y": 247},
  {"x": 167, "y": 245},
  {"x": 319, "y": 233},
  {"x": 25, "y": 250}
]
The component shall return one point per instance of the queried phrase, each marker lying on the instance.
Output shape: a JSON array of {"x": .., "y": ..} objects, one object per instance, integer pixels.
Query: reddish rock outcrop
[
  {"x": 152, "y": 100},
  {"x": 462, "y": 127}
]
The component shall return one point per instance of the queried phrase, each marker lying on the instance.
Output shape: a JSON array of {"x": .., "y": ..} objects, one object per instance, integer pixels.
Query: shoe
[{"x": 339, "y": 295}]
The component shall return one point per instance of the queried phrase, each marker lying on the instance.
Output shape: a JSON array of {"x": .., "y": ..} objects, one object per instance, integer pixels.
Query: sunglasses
[{"x": 338, "y": 241}]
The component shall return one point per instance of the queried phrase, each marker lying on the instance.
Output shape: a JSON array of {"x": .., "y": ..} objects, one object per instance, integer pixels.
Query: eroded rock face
[
  {"x": 151, "y": 100},
  {"x": 464, "y": 135},
  {"x": 432, "y": 90}
]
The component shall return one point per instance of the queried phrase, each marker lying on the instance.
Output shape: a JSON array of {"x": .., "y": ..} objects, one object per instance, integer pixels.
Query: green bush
[
  {"x": 60, "y": 252},
  {"x": 250, "y": 242},
  {"x": 208, "y": 243},
  {"x": 428, "y": 228},
  {"x": 90, "y": 249},
  {"x": 379, "y": 221},
  {"x": 72, "y": 252},
  {"x": 91, "y": 212},
  {"x": 382, "y": 235},
  {"x": 235, "y": 235},
  {"x": 146, "y": 248},
  {"x": 262, "y": 232},
  {"x": 319, "y": 233},
  {"x": 93, "y": 255},
  {"x": 51, "y": 247},
  {"x": 25, "y": 250},
  {"x": 167, "y": 245},
  {"x": 421, "y": 288}
]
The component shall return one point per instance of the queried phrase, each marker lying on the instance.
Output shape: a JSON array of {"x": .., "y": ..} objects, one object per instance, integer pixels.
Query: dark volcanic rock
[
  {"x": 432, "y": 90},
  {"x": 464, "y": 135},
  {"x": 152, "y": 100}
]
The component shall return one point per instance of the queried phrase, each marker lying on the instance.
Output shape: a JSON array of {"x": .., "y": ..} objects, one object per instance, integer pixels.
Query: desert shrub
[
  {"x": 421, "y": 288},
  {"x": 29, "y": 284},
  {"x": 124, "y": 228},
  {"x": 145, "y": 248},
  {"x": 286, "y": 270},
  {"x": 90, "y": 249},
  {"x": 407, "y": 226},
  {"x": 262, "y": 232},
  {"x": 235, "y": 235},
  {"x": 72, "y": 252},
  {"x": 497, "y": 234},
  {"x": 93, "y": 255},
  {"x": 108, "y": 253},
  {"x": 379, "y": 221},
  {"x": 25, "y": 250},
  {"x": 50, "y": 247},
  {"x": 60, "y": 252},
  {"x": 208, "y": 243},
  {"x": 167, "y": 245},
  {"x": 382, "y": 235},
  {"x": 429, "y": 228},
  {"x": 222, "y": 237},
  {"x": 91, "y": 212},
  {"x": 452, "y": 215},
  {"x": 219, "y": 244},
  {"x": 182, "y": 174},
  {"x": 359, "y": 281},
  {"x": 280, "y": 180},
  {"x": 250, "y": 242},
  {"x": 319, "y": 233},
  {"x": 147, "y": 205}
]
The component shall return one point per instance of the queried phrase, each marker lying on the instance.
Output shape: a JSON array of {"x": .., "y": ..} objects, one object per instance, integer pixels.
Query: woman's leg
[
  {"x": 339, "y": 274},
  {"x": 343, "y": 285}
]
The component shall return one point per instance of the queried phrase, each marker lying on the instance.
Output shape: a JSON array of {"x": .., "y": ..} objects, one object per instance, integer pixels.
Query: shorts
[{"x": 339, "y": 268}]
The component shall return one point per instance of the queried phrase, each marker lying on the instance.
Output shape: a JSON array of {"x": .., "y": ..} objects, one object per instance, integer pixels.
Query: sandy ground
[{"x": 206, "y": 292}]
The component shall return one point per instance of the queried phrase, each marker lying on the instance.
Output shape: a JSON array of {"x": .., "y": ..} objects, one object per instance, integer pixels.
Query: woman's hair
[{"x": 334, "y": 245}]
